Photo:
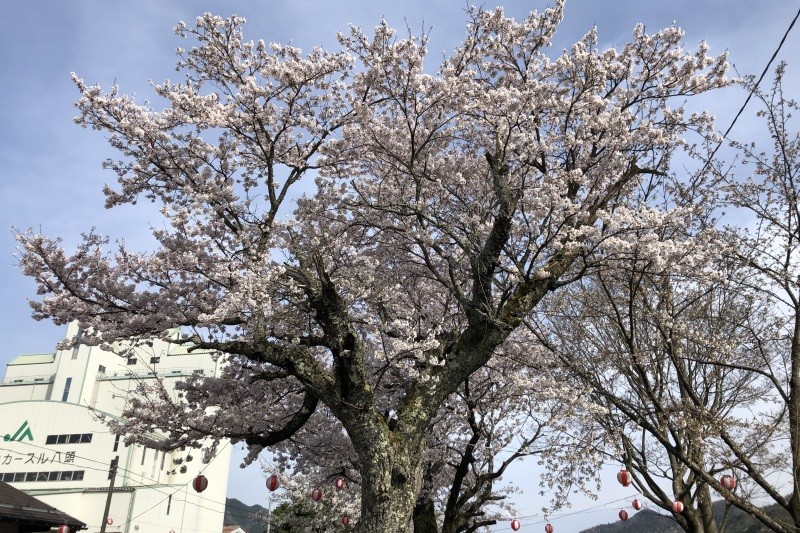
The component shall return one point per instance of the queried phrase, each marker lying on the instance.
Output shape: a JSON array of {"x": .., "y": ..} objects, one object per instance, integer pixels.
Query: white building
[{"x": 56, "y": 449}]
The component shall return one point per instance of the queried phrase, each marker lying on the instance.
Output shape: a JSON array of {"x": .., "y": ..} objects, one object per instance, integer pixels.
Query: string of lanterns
[
  {"x": 200, "y": 483},
  {"x": 677, "y": 507},
  {"x": 626, "y": 479},
  {"x": 273, "y": 483}
]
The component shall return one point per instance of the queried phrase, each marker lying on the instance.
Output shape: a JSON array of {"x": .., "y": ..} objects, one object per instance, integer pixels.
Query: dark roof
[{"x": 16, "y": 507}]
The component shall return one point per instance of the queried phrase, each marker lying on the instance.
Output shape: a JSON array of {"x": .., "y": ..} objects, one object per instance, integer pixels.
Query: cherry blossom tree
[
  {"x": 768, "y": 248},
  {"x": 669, "y": 358},
  {"x": 699, "y": 373},
  {"x": 447, "y": 204}
]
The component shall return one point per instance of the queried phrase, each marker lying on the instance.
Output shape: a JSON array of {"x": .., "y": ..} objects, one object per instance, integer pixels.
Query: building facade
[{"x": 57, "y": 449}]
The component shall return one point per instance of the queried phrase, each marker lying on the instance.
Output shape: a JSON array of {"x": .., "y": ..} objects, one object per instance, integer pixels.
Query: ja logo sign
[{"x": 23, "y": 432}]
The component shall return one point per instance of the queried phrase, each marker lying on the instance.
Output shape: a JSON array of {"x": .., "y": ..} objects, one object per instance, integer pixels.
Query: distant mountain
[
  {"x": 646, "y": 521},
  {"x": 251, "y": 518}
]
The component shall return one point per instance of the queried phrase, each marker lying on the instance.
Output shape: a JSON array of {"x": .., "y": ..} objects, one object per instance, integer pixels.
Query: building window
[
  {"x": 131, "y": 360},
  {"x": 74, "y": 438},
  {"x": 66, "y": 475},
  {"x": 144, "y": 452},
  {"x": 66, "y": 390},
  {"x": 154, "y": 360},
  {"x": 101, "y": 369},
  {"x": 169, "y": 503},
  {"x": 116, "y": 443},
  {"x": 199, "y": 371}
]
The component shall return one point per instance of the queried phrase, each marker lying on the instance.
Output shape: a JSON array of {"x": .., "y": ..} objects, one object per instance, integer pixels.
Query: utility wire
[
  {"x": 752, "y": 91},
  {"x": 155, "y": 483},
  {"x": 539, "y": 520}
]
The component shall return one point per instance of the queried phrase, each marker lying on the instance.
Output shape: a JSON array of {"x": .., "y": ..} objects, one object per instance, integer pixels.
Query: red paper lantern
[
  {"x": 623, "y": 515},
  {"x": 624, "y": 477},
  {"x": 515, "y": 525},
  {"x": 637, "y": 504},
  {"x": 63, "y": 529},
  {"x": 339, "y": 483},
  {"x": 548, "y": 528},
  {"x": 316, "y": 495},
  {"x": 345, "y": 520},
  {"x": 728, "y": 481},
  {"x": 200, "y": 483},
  {"x": 677, "y": 507},
  {"x": 272, "y": 483}
]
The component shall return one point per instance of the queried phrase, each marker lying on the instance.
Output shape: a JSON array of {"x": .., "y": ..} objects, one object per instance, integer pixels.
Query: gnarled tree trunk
[{"x": 391, "y": 458}]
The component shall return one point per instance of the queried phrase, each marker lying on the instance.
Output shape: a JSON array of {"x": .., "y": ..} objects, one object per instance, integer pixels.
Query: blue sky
[{"x": 50, "y": 173}]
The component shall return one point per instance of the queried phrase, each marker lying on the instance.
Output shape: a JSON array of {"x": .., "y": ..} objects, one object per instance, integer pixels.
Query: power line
[
  {"x": 156, "y": 485},
  {"x": 752, "y": 90},
  {"x": 592, "y": 509}
]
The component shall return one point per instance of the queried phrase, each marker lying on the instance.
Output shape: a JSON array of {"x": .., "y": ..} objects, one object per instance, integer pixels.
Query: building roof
[
  {"x": 16, "y": 507},
  {"x": 32, "y": 359},
  {"x": 233, "y": 529}
]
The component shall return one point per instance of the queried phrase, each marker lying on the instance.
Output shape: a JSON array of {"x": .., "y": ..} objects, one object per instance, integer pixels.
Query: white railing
[
  {"x": 27, "y": 380},
  {"x": 146, "y": 373}
]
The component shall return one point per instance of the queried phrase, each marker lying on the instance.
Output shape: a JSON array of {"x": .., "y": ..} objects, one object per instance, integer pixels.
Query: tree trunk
[
  {"x": 794, "y": 421},
  {"x": 453, "y": 526},
  {"x": 697, "y": 519},
  {"x": 425, "y": 516},
  {"x": 391, "y": 464},
  {"x": 391, "y": 479},
  {"x": 705, "y": 509}
]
